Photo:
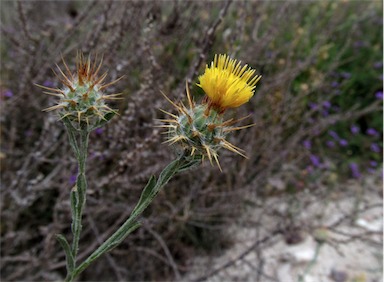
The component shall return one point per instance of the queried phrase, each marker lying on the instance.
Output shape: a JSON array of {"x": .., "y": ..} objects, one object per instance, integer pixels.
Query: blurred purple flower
[
  {"x": 99, "y": 131},
  {"x": 378, "y": 65},
  {"x": 315, "y": 160},
  {"x": 312, "y": 105},
  {"x": 333, "y": 74},
  {"x": 269, "y": 54},
  {"x": 315, "y": 132},
  {"x": 359, "y": 44},
  {"x": 330, "y": 143},
  {"x": 72, "y": 179},
  {"x": 355, "y": 170},
  {"x": 375, "y": 148},
  {"x": 335, "y": 84},
  {"x": 336, "y": 108},
  {"x": 333, "y": 134},
  {"x": 327, "y": 104},
  {"x": 345, "y": 75},
  {"x": 379, "y": 95},
  {"x": 373, "y": 163},
  {"x": 371, "y": 170},
  {"x": 8, "y": 93},
  {"x": 101, "y": 157},
  {"x": 355, "y": 129},
  {"x": 309, "y": 169},
  {"x": 337, "y": 92},
  {"x": 372, "y": 132},
  {"x": 48, "y": 83},
  {"x": 324, "y": 113},
  {"x": 92, "y": 155},
  {"x": 343, "y": 142},
  {"x": 307, "y": 144}
]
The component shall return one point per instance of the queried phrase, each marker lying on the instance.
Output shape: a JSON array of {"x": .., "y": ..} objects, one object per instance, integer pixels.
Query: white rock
[
  {"x": 302, "y": 253},
  {"x": 309, "y": 278},
  {"x": 284, "y": 273},
  {"x": 373, "y": 225},
  {"x": 277, "y": 183}
]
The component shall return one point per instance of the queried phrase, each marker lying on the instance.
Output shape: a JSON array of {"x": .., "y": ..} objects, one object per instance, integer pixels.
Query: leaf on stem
[
  {"x": 124, "y": 233},
  {"x": 153, "y": 187},
  {"x": 71, "y": 134},
  {"x": 107, "y": 117},
  {"x": 74, "y": 203},
  {"x": 68, "y": 253},
  {"x": 147, "y": 191},
  {"x": 168, "y": 172},
  {"x": 190, "y": 164},
  {"x": 148, "y": 194}
]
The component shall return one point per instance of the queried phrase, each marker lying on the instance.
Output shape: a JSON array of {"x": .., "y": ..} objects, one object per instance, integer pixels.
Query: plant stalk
[
  {"x": 78, "y": 193},
  {"x": 148, "y": 194},
  {"x": 81, "y": 189}
]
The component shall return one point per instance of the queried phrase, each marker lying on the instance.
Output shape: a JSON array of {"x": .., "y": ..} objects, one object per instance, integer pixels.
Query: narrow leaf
[
  {"x": 71, "y": 135},
  {"x": 74, "y": 203},
  {"x": 148, "y": 194},
  {"x": 129, "y": 229},
  {"x": 189, "y": 164},
  {"x": 147, "y": 191},
  {"x": 107, "y": 117},
  {"x": 168, "y": 172},
  {"x": 68, "y": 254},
  {"x": 108, "y": 245},
  {"x": 152, "y": 188}
]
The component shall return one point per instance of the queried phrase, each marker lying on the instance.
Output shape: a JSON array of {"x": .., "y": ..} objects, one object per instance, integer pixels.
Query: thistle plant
[
  {"x": 82, "y": 100},
  {"x": 199, "y": 130},
  {"x": 82, "y": 108}
]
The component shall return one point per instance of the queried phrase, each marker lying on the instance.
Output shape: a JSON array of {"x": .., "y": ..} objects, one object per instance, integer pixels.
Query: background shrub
[{"x": 322, "y": 83}]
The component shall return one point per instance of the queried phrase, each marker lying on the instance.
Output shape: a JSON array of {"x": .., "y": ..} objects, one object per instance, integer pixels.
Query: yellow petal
[{"x": 227, "y": 84}]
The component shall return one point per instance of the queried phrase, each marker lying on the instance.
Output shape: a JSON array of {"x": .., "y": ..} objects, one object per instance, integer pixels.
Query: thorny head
[
  {"x": 200, "y": 129},
  {"x": 82, "y": 97}
]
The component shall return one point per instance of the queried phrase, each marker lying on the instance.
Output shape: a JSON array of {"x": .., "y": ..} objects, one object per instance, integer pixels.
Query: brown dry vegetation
[{"x": 157, "y": 46}]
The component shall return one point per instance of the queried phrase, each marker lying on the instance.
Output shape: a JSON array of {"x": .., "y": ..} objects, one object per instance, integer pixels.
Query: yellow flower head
[{"x": 228, "y": 84}]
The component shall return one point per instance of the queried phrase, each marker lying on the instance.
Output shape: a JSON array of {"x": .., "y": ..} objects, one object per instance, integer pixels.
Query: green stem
[
  {"x": 148, "y": 194},
  {"x": 78, "y": 194},
  {"x": 81, "y": 189}
]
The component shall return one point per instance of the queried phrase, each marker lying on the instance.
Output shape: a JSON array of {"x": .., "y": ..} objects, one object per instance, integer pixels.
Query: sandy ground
[{"x": 339, "y": 239}]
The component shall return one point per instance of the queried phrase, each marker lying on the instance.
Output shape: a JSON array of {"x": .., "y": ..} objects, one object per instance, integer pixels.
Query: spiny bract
[
  {"x": 199, "y": 130},
  {"x": 82, "y": 97}
]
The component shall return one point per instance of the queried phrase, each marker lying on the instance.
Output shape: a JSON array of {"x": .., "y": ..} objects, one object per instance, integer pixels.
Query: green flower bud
[
  {"x": 200, "y": 130},
  {"x": 82, "y": 99}
]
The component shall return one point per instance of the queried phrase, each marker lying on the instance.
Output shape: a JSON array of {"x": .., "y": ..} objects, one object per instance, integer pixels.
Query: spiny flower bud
[
  {"x": 200, "y": 129},
  {"x": 82, "y": 98}
]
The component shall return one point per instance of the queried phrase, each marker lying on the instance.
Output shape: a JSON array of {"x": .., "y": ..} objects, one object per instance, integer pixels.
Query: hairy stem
[
  {"x": 131, "y": 224},
  {"x": 81, "y": 188},
  {"x": 78, "y": 193}
]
